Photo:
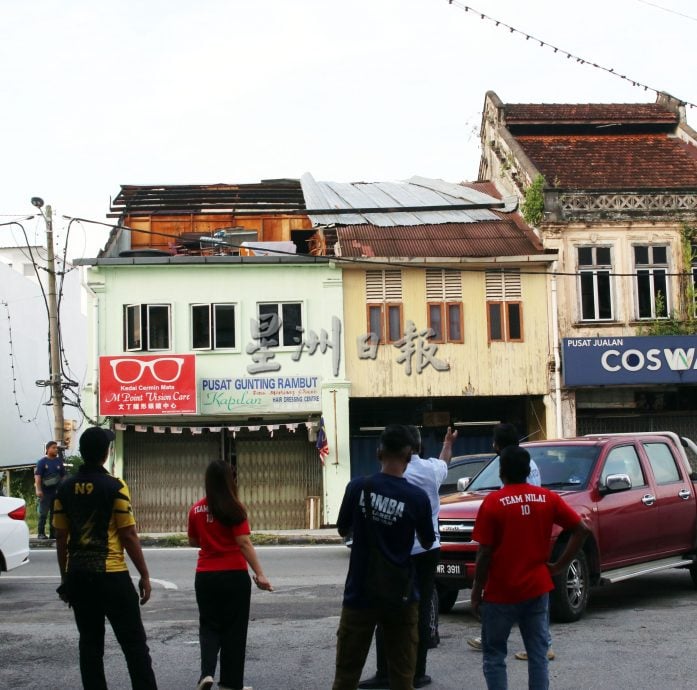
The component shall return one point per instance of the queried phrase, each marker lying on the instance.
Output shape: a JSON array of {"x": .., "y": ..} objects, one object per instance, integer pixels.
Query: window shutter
[
  {"x": 453, "y": 285},
  {"x": 434, "y": 284},
  {"x": 373, "y": 286},
  {"x": 494, "y": 286},
  {"x": 393, "y": 285},
  {"x": 511, "y": 285}
]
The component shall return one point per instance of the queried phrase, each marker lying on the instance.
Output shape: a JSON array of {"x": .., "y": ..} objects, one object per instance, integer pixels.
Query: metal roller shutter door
[
  {"x": 165, "y": 474},
  {"x": 274, "y": 477}
]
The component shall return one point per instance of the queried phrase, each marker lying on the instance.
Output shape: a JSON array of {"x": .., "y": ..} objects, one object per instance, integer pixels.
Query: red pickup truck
[{"x": 636, "y": 493}]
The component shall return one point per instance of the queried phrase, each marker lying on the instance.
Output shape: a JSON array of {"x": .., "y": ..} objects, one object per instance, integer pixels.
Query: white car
[{"x": 14, "y": 533}]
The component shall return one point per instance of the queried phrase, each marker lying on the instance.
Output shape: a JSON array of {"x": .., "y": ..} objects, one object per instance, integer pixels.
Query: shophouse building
[{"x": 613, "y": 189}]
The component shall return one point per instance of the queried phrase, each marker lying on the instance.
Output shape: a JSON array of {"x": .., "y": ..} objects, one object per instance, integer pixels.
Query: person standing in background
[
  {"x": 428, "y": 474},
  {"x": 47, "y": 476},
  {"x": 218, "y": 526}
]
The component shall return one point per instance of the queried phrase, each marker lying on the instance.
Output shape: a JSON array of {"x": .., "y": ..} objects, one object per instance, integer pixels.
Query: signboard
[
  {"x": 147, "y": 385},
  {"x": 637, "y": 360},
  {"x": 250, "y": 394}
]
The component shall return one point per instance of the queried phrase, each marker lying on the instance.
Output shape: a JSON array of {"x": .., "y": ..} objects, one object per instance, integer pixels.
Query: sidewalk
[{"x": 328, "y": 535}]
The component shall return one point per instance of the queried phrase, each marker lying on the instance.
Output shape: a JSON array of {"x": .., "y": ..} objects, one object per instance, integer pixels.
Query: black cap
[{"x": 94, "y": 443}]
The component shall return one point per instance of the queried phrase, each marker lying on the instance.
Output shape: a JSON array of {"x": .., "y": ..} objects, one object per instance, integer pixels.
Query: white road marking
[{"x": 166, "y": 584}]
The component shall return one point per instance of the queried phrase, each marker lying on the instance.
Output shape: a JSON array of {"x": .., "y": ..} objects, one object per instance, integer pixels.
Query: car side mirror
[
  {"x": 463, "y": 483},
  {"x": 616, "y": 482}
]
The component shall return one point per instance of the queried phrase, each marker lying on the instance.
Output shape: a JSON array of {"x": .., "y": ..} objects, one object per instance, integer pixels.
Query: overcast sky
[{"x": 98, "y": 94}]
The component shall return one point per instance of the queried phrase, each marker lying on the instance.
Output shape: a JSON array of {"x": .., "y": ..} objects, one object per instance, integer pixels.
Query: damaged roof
[
  {"x": 500, "y": 234},
  {"x": 417, "y": 201}
]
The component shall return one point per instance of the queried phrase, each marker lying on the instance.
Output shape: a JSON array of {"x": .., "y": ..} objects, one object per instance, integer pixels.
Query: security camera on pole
[{"x": 53, "y": 333}]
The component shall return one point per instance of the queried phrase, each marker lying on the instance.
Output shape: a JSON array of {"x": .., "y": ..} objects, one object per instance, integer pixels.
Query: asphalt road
[{"x": 637, "y": 634}]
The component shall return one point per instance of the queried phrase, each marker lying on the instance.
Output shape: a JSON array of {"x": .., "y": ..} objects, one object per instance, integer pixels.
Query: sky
[{"x": 94, "y": 95}]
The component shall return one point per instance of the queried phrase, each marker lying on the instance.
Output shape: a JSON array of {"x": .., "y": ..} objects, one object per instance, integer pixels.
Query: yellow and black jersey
[{"x": 92, "y": 506}]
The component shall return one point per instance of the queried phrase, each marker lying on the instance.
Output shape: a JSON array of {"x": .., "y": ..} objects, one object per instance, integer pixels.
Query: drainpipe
[{"x": 555, "y": 346}]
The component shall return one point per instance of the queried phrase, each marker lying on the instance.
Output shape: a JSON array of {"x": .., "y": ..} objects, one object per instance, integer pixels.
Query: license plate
[{"x": 450, "y": 569}]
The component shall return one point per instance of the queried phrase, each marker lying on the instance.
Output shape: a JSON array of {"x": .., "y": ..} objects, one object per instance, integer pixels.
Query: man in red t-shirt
[{"x": 513, "y": 578}]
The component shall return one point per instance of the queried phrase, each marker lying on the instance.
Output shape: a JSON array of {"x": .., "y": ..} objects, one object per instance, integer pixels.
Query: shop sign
[
  {"x": 147, "y": 385},
  {"x": 251, "y": 394},
  {"x": 636, "y": 360}
]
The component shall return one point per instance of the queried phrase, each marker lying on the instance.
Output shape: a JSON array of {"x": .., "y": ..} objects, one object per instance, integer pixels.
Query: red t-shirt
[
  {"x": 219, "y": 550},
  {"x": 516, "y": 521}
]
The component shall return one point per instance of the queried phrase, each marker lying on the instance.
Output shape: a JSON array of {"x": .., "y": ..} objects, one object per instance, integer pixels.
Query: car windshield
[
  {"x": 464, "y": 469},
  {"x": 561, "y": 467}
]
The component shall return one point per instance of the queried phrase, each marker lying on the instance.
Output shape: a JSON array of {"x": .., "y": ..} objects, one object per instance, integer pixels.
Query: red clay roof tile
[{"x": 588, "y": 113}]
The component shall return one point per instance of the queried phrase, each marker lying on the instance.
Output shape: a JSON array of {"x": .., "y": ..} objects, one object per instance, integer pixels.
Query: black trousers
[
  {"x": 223, "y": 606},
  {"x": 46, "y": 511},
  {"x": 425, "y": 567},
  {"x": 94, "y": 597}
]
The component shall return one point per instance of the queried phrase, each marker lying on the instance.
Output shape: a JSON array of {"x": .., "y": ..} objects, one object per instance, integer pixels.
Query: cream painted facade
[
  {"x": 475, "y": 367},
  {"x": 244, "y": 282}
]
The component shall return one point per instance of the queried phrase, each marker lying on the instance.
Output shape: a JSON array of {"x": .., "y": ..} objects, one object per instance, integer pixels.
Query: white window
[
  {"x": 279, "y": 324},
  {"x": 147, "y": 327},
  {"x": 213, "y": 327},
  {"x": 651, "y": 283},
  {"x": 594, "y": 283}
]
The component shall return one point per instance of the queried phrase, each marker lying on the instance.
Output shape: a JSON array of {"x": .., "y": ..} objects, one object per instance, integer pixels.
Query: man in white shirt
[{"x": 428, "y": 474}]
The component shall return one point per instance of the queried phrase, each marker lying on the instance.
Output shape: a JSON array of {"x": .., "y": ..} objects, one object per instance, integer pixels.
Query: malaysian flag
[{"x": 322, "y": 444}]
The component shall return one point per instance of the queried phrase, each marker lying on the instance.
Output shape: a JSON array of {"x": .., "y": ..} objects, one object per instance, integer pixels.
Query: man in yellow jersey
[{"x": 94, "y": 523}]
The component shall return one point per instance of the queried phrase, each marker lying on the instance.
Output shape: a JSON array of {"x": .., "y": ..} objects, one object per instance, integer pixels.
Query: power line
[
  {"x": 667, "y": 9},
  {"x": 363, "y": 261},
  {"x": 557, "y": 49}
]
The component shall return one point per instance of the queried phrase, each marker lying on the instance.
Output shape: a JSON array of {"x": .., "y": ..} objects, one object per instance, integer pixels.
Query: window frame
[
  {"x": 594, "y": 270},
  {"x": 444, "y": 307},
  {"x": 212, "y": 326},
  {"x": 651, "y": 269},
  {"x": 279, "y": 312},
  {"x": 143, "y": 311},
  {"x": 503, "y": 305}
]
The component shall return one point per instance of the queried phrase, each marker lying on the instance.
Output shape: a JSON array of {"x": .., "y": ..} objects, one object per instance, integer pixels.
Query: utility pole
[{"x": 53, "y": 332}]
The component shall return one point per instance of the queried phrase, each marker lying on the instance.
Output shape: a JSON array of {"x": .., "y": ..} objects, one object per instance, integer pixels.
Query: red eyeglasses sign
[{"x": 147, "y": 385}]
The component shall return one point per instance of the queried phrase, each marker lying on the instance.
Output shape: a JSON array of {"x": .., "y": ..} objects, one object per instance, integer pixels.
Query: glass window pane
[
  {"x": 455, "y": 322},
  {"x": 158, "y": 327},
  {"x": 435, "y": 320},
  {"x": 375, "y": 321},
  {"x": 623, "y": 460},
  {"x": 644, "y": 294},
  {"x": 585, "y": 256},
  {"x": 515, "y": 328},
  {"x": 495, "y": 329},
  {"x": 587, "y": 295},
  {"x": 394, "y": 323},
  {"x": 292, "y": 323},
  {"x": 662, "y": 463},
  {"x": 660, "y": 292},
  {"x": 660, "y": 255},
  {"x": 224, "y": 325},
  {"x": 604, "y": 295},
  {"x": 269, "y": 325},
  {"x": 603, "y": 256},
  {"x": 641, "y": 255},
  {"x": 133, "y": 330},
  {"x": 200, "y": 326}
]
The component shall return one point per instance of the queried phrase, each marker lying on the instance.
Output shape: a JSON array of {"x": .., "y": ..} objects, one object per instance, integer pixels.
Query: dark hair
[
  {"x": 396, "y": 440},
  {"x": 94, "y": 444},
  {"x": 221, "y": 494},
  {"x": 515, "y": 464},
  {"x": 505, "y": 435},
  {"x": 416, "y": 438},
  {"x": 51, "y": 443}
]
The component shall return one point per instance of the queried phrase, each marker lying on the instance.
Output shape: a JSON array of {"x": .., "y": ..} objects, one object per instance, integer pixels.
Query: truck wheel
[
  {"x": 570, "y": 596},
  {"x": 446, "y": 599}
]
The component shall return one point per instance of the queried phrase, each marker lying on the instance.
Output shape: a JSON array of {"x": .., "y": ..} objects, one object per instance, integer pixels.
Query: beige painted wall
[{"x": 476, "y": 366}]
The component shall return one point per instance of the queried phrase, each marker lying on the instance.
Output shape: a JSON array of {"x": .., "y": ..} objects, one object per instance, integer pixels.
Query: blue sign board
[{"x": 636, "y": 360}]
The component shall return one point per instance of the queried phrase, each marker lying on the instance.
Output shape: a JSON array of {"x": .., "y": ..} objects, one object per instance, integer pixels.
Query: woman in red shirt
[{"x": 218, "y": 526}]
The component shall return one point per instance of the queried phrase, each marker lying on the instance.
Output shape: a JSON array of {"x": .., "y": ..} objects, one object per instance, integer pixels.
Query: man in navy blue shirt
[
  {"x": 47, "y": 476},
  {"x": 398, "y": 511}
]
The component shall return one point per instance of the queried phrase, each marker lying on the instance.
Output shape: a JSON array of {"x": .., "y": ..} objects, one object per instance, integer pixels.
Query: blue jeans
[{"x": 532, "y": 618}]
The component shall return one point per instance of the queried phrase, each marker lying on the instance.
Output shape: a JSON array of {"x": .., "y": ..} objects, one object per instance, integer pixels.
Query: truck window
[
  {"x": 623, "y": 460},
  {"x": 662, "y": 463}
]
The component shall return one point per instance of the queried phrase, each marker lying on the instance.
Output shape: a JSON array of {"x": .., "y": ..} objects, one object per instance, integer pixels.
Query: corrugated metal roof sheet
[
  {"x": 415, "y": 192},
  {"x": 483, "y": 239}
]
